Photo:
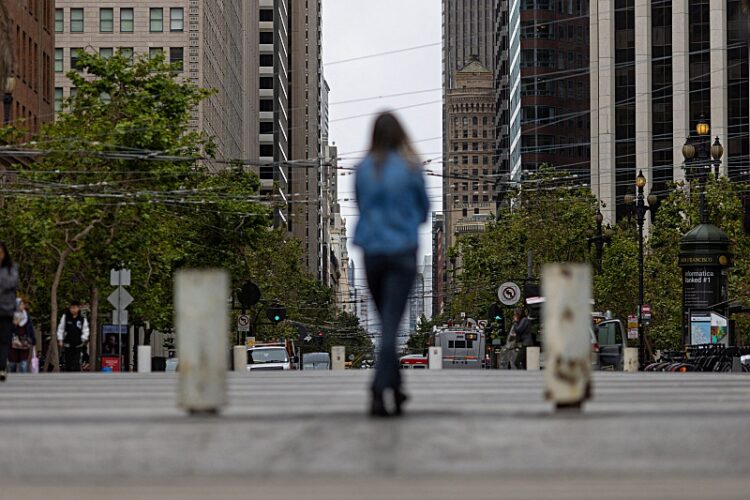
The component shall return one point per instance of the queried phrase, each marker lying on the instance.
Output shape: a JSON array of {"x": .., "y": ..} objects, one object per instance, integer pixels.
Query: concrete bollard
[
  {"x": 435, "y": 360},
  {"x": 567, "y": 320},
  {"x": 533, "y": 359},
  {"x": 144, "y": 359},
  {"x": 202, "y": 326},
  {"x": 239, "y": 358},
  {"x": 338, "y": 358},
  {"x": 630, "y": 360}
]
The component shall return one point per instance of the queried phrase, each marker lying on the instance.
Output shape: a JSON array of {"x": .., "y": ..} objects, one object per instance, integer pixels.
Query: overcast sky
[{"x": 355, "y": 29}]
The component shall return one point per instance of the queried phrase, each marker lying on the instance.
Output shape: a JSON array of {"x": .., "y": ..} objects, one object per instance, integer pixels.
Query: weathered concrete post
[
  {"x": 533, "y": 359},
  {"x": 567, "y": 320},
  {"x": 630, "y": 360},
  {"x": 338, "y": 358},
  {"x": 144, "y": 359},
  {"x": 239, "y": 358},
  {"x": 435, "y": 360},
  {"x": 202, "y": 330}
]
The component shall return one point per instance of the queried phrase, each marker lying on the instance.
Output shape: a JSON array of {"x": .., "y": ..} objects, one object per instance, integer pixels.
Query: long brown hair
[{"x": 388, "y": 136}]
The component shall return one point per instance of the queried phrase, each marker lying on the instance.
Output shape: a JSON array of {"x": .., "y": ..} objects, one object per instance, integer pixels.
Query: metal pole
[
  {"x": 599, "y": 247},
  {"x": 641, "y": 217}
]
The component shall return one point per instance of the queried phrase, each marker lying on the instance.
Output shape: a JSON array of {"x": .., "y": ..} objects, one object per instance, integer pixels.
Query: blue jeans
[
  {"x": 20, "y": 367},
  {"x": 390, "y": 278}
]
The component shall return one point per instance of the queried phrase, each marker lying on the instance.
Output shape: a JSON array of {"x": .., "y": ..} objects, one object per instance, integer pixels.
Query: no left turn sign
[
  {"x": 509, "y": 293},
  {"x": 243, "y": 323}
]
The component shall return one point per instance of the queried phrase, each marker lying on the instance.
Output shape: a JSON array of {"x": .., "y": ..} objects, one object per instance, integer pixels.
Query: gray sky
[{"x": 356, "y": 28}]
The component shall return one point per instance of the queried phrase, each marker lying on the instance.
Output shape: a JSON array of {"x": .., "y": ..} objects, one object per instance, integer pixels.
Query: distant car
[
  {"x": 414, "y": 362},
  {"x": 263, "y": 357},
  {"x": 611, "y": 339},
  {"x": 316, "y": 361}
]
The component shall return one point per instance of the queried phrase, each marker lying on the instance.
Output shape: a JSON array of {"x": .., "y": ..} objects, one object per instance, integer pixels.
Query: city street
[{"x": 468, "y": 434}]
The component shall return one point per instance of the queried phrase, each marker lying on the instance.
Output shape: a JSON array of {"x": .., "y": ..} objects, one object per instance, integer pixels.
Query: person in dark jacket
[
  {"x": 392, "y": 203},
  {"x": 24, "y": 340},
  {"x": 524, "y": 336},
  {"x": 8, "y": 287},
  {"x": 72, "y": 335}
]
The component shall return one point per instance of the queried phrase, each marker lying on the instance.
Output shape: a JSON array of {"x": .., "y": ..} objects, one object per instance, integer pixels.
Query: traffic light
[
  {"x": 495, "y": 314},
  {"x": 276, "y": 313}
]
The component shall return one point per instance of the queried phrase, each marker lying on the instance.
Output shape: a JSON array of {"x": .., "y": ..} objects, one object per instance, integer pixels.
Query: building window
[
  {"x": 127, "y": 53},
  {"x": 176, "y": 56},
  {"x": 76, "y": 20},
  {"x": 266, "y": 37},
  {"x": 266, "y": 105},
  {"x": 266, "y": 127},
  {"x": 59, "y": 20},
  {"x": 176, "y": 19},
  {"x": 106, "y": 20},
  {"x": 154, "y": 52},
  {"x": 58, "y": 99},
  {"x": 106, "y": 52},
  {"x": 266, "y": 15},
  {"x": 156, "y": 20},
  {"x": 126, "y": 20},
  {"x": 266, "y": 60},
  {"x": 266, "y": 150},
  {"x": 74, "y": 56},
  {"x": 59, "y": 55},
  {"x": 266, "y": 82}
]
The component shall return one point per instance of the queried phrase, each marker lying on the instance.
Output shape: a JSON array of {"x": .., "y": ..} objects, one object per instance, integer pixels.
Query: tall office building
[
  {"x": 542, "y": 81},
  {"x": 468, "y": 33},
  {"x": 306, "y": 147},
  {"x": 206, "y": 38},
  {"x": 468, "y": 181},
  {"x": 656, "y": 68},
  {"x": 28, "y": 101}
]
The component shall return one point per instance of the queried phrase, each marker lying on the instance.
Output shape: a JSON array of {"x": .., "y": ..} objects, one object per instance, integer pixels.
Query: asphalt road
[{"x": 480, "y": 434}]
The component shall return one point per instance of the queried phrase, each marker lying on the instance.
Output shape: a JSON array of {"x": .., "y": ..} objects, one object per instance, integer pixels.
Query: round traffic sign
[{"x": 509, "y": 293}]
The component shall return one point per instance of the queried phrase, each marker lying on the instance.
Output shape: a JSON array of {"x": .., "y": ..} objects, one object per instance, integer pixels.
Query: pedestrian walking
[
  {"x": 392, "y": 201},
  {"x": 524, "y": 336},
  {"x": 8, "y": 286},
  {"x": 72, "y": 335},
  {"x": 23, "y": 341}
]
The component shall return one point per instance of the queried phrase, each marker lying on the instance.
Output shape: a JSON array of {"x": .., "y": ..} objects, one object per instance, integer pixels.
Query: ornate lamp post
[
  {"x": 638, "y": 202},
  {"x": 10, "y": 85},
  {"x": 702, "y": 158}
]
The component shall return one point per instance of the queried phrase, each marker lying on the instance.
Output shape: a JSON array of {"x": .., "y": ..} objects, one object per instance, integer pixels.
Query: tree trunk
[
  {"x": 53, "y": 354},
  {"x": 94, "y": 327}
]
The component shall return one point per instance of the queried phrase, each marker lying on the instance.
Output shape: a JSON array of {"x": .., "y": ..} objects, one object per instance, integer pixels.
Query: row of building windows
[
  {"x": 176, "y": 55},
  {"x": 554, "y": 59},
  {"x": 547, "y": 31},
  {"x": 570, "y": 7},
  {"x": 457, "y": 134},
  {"x": 475, "y": 146},
  {"x": 568, "y": 88},
  {"x": 127, "y": 20}
]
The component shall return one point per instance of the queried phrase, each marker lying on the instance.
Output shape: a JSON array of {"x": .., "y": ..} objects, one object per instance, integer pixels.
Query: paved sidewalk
[{"x": 480, "y": 434}]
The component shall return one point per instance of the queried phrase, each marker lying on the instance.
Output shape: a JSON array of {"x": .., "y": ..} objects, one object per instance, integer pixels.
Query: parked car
[
  {"x": 316, "y": 361},
  {"x": 612, "y": 341}
]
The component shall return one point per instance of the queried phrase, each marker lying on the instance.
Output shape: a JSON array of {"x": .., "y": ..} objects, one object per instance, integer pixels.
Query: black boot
[
  {"x": 400, "y": 398},
  {"x": 377, "y": 407}
]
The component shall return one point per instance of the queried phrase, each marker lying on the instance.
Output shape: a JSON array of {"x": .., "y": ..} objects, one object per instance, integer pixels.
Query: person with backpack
[
  {"x": 8, "y": 286},
  {"x": 72, "y": 335},
  {"x": 23, "y": 340}
]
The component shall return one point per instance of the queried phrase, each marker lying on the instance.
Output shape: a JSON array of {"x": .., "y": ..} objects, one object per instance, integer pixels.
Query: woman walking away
[
  {"x": 8, "y": 285},
  {"x": 392, "y": 204},
  {"x": 23, "y": 340}
]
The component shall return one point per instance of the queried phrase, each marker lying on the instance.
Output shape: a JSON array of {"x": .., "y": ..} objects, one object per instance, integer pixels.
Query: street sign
[
  {"x": 509, "y": 293},
  {"x": 120, "y": 298},
  {"x": 645, "y": 312},
  {"x": 243, "y": 323},
  {"x": 119, "y": 277},
  {"x": 482, "y": 323},
  {"x": 632, "y": 327},
  {"x": 120, "y": 317}
]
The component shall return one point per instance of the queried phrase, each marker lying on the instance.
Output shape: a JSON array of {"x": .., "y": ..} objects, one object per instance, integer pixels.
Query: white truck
[{"x": 268, "y": 357}]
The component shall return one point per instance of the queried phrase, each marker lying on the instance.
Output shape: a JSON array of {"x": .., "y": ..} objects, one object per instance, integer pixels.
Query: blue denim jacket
[{"x": 392, "y": 203}]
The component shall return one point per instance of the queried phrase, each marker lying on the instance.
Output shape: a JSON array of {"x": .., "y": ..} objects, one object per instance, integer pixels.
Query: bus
[{"x": 462, "y": 347}]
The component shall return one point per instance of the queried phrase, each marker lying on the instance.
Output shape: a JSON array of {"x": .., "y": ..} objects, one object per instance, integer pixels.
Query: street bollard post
[
  {"x": 533, "y": 359},
  {"x": 567, "y": 320},
  {"x": 202, "y": 332},
  {"x": 239, "y": 358},
  {"x": 630, "y": 360},
  {"x": 144, "y": 359},
  {"x": 435, "y": 360},
  {"x": 338, "y": 358}
]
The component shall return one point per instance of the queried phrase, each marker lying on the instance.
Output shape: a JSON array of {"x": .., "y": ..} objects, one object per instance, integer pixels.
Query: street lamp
[
  {"x": 638, "y": 202},
  {"x": 599, "y": 239},
  {"x": 702, "y": 158},
  {"x": 10, "y": 85}
]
